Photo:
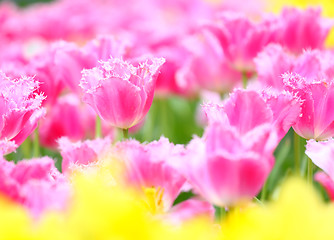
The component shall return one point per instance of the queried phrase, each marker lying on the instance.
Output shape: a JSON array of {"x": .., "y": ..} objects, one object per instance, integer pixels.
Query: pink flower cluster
[
  {"x": 35, "y": 183},
  {"x": 106, "y": 61}
]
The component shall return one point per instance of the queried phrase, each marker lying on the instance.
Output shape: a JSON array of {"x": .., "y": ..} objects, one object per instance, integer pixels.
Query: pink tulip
[
  {"x": 12, "y": 59},
  {"x": 251, "y": 8},
  {"x": 119, "y": 92},
  {"x": 235, "y": 156},
  {"x": 279, "y": 109},
  {"x": 209, "y": 99},
  {"x": 67, "y": 117},
  {"x": 190, "y": 209},
  {"x": 168, "y": 81},
  {"x": 43, "y": 68},
  {"x": 298, "y": 28},
  {"x": 149, "y": 166},
  {"x": 20, "y": 107},
  {"x": 271, "y": 63},
  {"x": 206, "y": 67},
  {"x": 69, "y": 60},
  {"x": 104, "y": 46},
  {"x": 59, "y": 66},
  {"x": 243, "y": 39},
  {"x": 317, "y": 96},
  {"x": 76, "y": 154},
  {"x": 326, "y": 182},
  {"x": 322, "y": 155},
  {"x": 276, "y": 60},
  {"x": 36, "y": 184},
  {"x": 226, "y": 168},
  {"x": 11, "y": 28},
  {"x": 71, "y": 118},
  {"x": 61, "y": 20},
  {"x": 285, "y": 108}
]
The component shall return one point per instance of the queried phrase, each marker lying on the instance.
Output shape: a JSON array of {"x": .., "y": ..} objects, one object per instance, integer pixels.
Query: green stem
[
  {"x": 125, "y": 133},
  {"x": 258, "y": 201},
  {"x": 26, "y": 148},
  {"x": 309, "y": 171},
  {"x": 148, "y": 128},
  {"x": 222, "y": 214},
  {"x": 244, "y": 80},
  {"x": 98, "y": 127},
  {"x": 36, "y": 147},
  {"x": 296, "y": 144},
  {"x": 264, "y": 191},
  {"x": 165, "y": 125}
]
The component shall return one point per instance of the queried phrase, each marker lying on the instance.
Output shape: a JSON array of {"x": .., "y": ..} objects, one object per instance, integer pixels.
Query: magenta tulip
[
  {"x": 20, "y": 107},
  {"x": 150, "y": 166},
  {"x": 322, "y": 155},
  {"x": 76, "y": 154},
  {"x": 233, "y": 159},
  {"x": 316, "y": 120},
  {"x": 36, "y": 184},
  {"x": 119, "y": 92}
]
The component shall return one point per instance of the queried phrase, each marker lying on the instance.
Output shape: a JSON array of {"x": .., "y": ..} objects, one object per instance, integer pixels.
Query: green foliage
[
  {"x": 25, "y": 3},
  {"x": 174, "y": 118}
]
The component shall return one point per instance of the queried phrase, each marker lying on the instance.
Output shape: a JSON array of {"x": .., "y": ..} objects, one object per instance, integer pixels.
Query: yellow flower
[
  {"x": 15, "y": 222},
  {"x": 101, "y": 210},
  {"x": 297, "y": 214}
]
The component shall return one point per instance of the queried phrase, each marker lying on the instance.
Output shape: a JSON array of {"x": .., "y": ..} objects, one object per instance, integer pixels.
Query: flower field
[{"x": 178, "y": 119}]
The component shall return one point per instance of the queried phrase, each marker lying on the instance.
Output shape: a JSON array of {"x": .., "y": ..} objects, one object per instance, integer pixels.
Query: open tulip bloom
[
  {"x": 119, "y": 92},
  {"x": 317, "y": 95},
  {"x": 20, "y": 107}
]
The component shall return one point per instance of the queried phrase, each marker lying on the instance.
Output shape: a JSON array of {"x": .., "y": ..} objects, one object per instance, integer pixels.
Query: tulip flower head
[
  {"x": 276, "y": 60},
  {"x": 81, "y": 153},
  {"x": 317, "y": 117},
  {"x": 322, "y": 154},
  {"x": 36, "y": 184},
  {"x": 20, "y": 107},
  {"x": 326, "y": 182},
  {"x": 119, "y": 92},
  {"x": 149, "y": 167},
  {"x": 299, "y": 26},
  {"x": 243, "y": 39},
  {"x": 230, "y": 163}
]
